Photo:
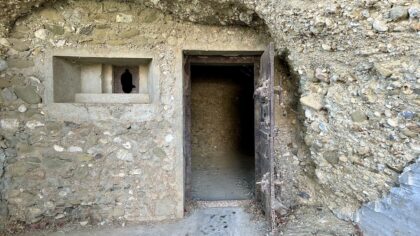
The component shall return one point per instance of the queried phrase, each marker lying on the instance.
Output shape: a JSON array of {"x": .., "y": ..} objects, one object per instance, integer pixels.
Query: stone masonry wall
[
  {"x": 98, "y": 171},
  {"x": 357, "y": 66}
]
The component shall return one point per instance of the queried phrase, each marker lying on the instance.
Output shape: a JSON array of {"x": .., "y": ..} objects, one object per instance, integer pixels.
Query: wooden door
[{"x": 264, "y": 126}]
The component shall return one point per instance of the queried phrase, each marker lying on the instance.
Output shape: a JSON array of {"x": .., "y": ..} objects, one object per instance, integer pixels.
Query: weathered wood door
[{"x": 264, "y": 126}]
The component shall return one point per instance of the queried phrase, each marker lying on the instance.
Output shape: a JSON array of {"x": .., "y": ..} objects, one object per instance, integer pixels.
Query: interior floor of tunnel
[{"x": 222, "y": 132}]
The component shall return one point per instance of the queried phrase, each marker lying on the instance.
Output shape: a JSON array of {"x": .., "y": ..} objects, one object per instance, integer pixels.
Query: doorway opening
[
  {"x": 219, "y": 127},
  {"x": 228, "y": 107},
  {"x": 222, "y": 132}
]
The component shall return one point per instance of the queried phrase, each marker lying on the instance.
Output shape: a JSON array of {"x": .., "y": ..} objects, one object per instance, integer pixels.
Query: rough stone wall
[
  {"x": 113, "y": 169},
  {"x": 222, "y": 112},
  {"x": 357, "y": 65}
]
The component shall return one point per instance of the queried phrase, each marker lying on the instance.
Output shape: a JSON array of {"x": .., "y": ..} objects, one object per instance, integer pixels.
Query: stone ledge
[{"x": 112, "y": 98}]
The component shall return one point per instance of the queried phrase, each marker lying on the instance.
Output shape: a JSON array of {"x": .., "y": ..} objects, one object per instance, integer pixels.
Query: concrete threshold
[{"x": 223, "y": 203}]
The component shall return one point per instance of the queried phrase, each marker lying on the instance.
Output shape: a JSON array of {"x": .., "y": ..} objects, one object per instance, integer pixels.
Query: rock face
[
  {"x": 369, "y": 58},
  {"x": 394, "y": 214}
]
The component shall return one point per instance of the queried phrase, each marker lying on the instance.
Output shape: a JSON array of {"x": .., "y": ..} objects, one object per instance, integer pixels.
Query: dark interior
[
  {"x": 222, "y": 132},
  {"x": 127, "y": 81}
]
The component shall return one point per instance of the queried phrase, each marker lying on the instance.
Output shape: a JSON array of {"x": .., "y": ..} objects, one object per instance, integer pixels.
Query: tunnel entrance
[
  {"x": 222, "y": 132},
  {"x": 228, "y": 114}
]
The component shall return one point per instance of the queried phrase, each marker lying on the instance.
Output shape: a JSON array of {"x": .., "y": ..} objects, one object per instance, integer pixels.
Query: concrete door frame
[{"x": 206, "y": 58}]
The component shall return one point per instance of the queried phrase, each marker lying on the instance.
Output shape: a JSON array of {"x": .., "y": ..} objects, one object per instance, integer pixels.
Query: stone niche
[{"x": 101, "y": 80}]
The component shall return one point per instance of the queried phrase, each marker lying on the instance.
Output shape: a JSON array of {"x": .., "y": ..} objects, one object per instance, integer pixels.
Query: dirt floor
[{"x": 222, "y": 176}]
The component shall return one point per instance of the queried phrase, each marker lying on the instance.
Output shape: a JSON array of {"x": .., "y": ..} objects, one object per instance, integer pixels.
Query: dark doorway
[
  {"x": 222, "y": 132},
  {"x": 228, "y": 104}
]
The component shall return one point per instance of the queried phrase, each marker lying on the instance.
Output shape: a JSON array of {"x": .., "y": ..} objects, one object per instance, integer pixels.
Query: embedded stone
[
  {"x": 58, "y": 148},
  {"x": 3, "y": 65},
  {"x": 124, "y": 155},
  {"x": 59, "y": 216},
  {"x": 408, "y": 115},
  {"x": 169, "y": 138},
  {"x": 41, "y": 34},
  {"x": 55, "y": 29},
  {"x": 380, "y": 26},
  {"x": 5, "y": 42},
  {"x": 129, "y": 33},
  {"x": 8, "y": 95},
  {"x": 22, "y": 108},
  {"x": 331, "y": 9},
  {"x": 50, "y": 14},
  {"x": 53, "y": 163},
  {"x": 74, "y": 149},
  {"x": 392, "y": 122},
  {"x": 32, "y": 124},
  {"x": 20, "y": 63},
  {"x": 9, "y": 124},
  {"x": 321, "y": 75},
  {"x": 34, "y": 214},
  {"x": 342, "y": 158},
  {"x": 312, "y": 101},
  {"x": 415, "y": 26},
  {"x": 414, "y": 12},
  {"x": 83, "y": 223},
  {"x": 28, "y": 94},
  {"x": 127, "y": 145},
  {"x": 358, "y": 116},
  {"x": 21, "y": 168},
  {"x": 332, "y": 157},
  {"x": 60, "y": 43},
  {"x": 19, "y": 45},
  {"x": 407, "y": 132},
  {"x": 124, "y": 18},
  {"x": 84, "y": 158},
  {"x": 383, "y": 71},
  {"x": 326, "y": 47},
  {"x": 86, "y": 30},
  {"x": 136, "y": 172},
  {"x": 118, "y": 211},
  {"x": 159, "y": 152},
  {"x": 398, "y": 13}
]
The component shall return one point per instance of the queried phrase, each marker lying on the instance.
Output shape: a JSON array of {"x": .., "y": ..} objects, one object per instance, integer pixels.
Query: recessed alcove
[{"x": 101, "y": 80}]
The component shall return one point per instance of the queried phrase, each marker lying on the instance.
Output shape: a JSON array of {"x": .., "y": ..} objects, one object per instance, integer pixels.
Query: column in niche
[
  {"x": 91, "y": 78},
  {"x": 107, "y": 78},
  {"x": 143, "y": 78}
]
